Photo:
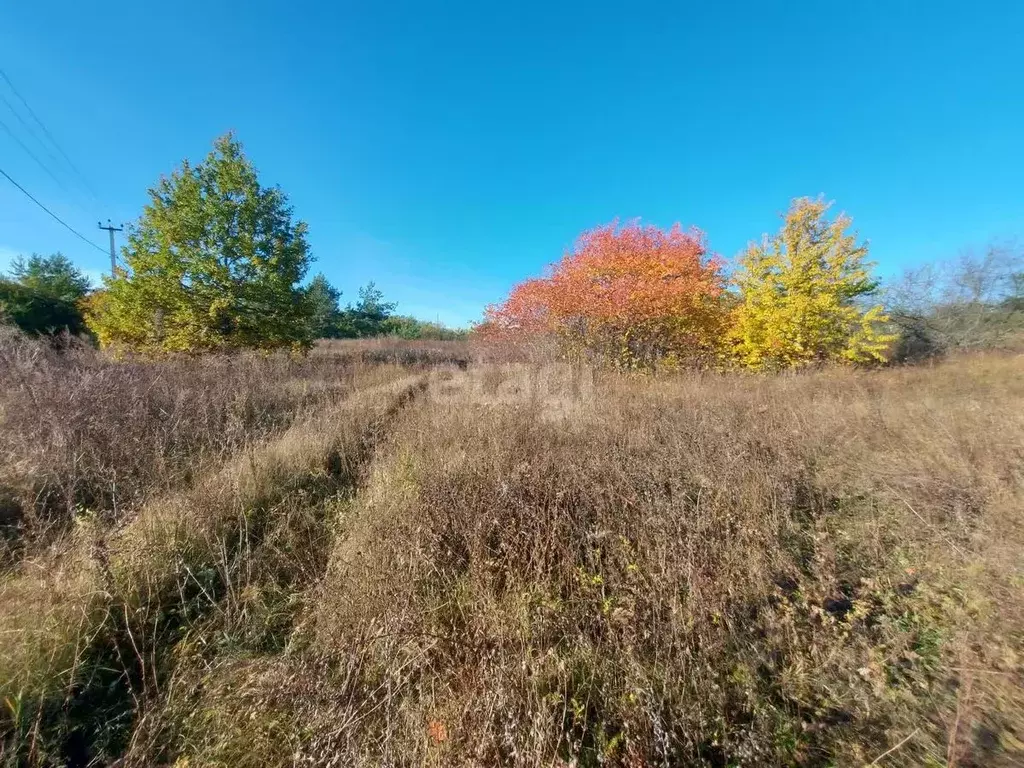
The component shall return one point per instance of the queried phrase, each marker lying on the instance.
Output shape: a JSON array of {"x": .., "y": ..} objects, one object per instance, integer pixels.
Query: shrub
[
  {"x": 633, "y": 295},
  {"x": 38, "y": 313}
]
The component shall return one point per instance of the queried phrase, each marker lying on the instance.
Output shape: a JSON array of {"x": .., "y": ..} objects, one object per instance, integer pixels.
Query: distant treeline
[
  {"x": 369, "y": 317},
  {"x": 217, "y": 261},
  {"x": 973, "y": 302},
  {"x": 47, "y": 296}
]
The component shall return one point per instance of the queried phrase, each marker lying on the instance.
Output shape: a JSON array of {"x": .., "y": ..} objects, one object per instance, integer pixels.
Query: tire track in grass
[
  {"x": 214, "y": 711},
  {"x": 161, "y": 574}
]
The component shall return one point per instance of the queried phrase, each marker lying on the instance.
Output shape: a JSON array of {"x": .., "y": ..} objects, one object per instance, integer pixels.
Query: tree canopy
[
  {"x": 633, "y": 293},
  {"x": 975, "y": 301},
  {"x": 214, "y": 262},
  {"x": 53, "y": 275},
  {"x": 42, "y": 295},
  {"x": 324, "y": 313},
  {"x": 368, "y": 316},
  {"x": 801, "y": 295},
  {"x": 641, "y": 296}
]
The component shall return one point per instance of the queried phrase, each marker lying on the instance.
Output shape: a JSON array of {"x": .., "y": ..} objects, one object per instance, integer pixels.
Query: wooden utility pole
[{"x": 113, "y": 254}]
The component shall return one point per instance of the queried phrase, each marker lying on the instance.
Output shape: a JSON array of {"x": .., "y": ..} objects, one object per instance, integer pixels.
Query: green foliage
[
  {"x": 405, "y": 327},
  {"x": 52, "y": 275},
  {"x": 214, "y": 262},
  {"x": 323, "y": 306},
  {"x": 42, "y": 295},
  {"x": 38, "y": 313},
  {"x": 371, "y": 316},
  {"x": 801, "y": 293},
  {"x": 368, "y": 316}
]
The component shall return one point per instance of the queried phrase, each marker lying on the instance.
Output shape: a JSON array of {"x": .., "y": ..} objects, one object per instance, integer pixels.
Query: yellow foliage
[{"x": 799, "y": 296}]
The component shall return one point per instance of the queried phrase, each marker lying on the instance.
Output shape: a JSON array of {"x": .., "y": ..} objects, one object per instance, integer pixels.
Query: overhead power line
[
  {"x": 57, "y": 218},
  {"x": 29, "y": 129},
  {"x": 49, "y": 135},
  {"x": 32, "y": 154}
]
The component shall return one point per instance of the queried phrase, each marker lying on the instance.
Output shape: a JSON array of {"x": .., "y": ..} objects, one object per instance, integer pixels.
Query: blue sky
[{"x": 447, "y": 150}]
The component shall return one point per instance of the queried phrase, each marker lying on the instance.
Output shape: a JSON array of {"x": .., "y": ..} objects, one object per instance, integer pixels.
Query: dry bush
[
  {"x": 476, "y": 349},
  {"x": 973, "y": 302},
  {"x": 703, "y": 570}
]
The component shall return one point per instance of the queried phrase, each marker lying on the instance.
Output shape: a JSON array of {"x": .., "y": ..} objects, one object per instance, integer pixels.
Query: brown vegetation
[
  {"x": 83, "y": 433},
  {"x": 537, "y": 565}
]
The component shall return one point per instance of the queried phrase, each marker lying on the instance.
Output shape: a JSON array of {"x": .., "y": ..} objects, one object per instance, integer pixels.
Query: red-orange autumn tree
[{"x": 632, "y": 294}]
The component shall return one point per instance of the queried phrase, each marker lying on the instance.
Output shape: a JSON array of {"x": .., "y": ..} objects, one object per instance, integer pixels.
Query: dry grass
[
  {"x": 85, "y": 433},
  {"x": 391, "y": 351},
  {"x": 547, "y": 566},
  {"x": 92, "y": 606},
  {"x": 117, "y": 600}
]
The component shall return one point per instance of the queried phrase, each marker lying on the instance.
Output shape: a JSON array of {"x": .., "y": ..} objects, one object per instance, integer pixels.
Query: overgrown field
[{"x": 420, "y": 558}]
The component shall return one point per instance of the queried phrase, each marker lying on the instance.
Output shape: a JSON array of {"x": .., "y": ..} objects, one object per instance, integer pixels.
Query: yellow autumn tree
[{"x": 802, "y": 295}]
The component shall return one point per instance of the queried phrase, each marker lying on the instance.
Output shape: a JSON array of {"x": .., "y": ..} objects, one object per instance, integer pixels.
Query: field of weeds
[{"x": 378, "y": 556}]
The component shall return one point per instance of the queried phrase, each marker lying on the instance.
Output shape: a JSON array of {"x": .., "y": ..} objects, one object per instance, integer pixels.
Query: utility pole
[{"x": 113, "y": 254}]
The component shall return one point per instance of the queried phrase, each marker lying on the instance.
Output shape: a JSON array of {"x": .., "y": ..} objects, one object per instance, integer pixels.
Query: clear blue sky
[{"x": 448, "y": 149}]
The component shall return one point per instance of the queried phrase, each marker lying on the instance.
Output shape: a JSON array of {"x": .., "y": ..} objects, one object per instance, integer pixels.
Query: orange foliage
[{"x": 635, "y": 293}]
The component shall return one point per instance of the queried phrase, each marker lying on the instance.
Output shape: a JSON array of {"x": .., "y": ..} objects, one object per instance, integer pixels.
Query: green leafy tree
[
  {"x": 38, "y": 313},
  {"x": 52, "y": 275},
  {"x": 368, "y": 316},
  {"x": 323, "y": 308},
  {"x": 42, "y": 295},
  {"x": 802, "y": 295},
  {"x": 405, "y": 327},
  {"x": 371, "y": 306},
  {"x": 214, "y": 262}
]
